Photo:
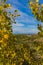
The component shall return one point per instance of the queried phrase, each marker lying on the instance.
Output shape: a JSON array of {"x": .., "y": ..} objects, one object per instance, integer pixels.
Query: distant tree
[{"x": 37, "y": 10}]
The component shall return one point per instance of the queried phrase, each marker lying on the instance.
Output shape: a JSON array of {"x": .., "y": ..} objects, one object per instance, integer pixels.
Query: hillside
[{"x": 25, "y": 50}]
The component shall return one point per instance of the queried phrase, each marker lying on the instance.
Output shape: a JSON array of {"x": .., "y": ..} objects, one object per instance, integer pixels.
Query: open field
[{"x": 25, "y": 50}]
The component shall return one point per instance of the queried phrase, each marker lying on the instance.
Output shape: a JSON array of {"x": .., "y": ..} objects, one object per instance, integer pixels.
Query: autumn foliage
[
  {"x": 37, "y": 10},
  {"x": 20, "y": 49},
  {"x": 6, "y": 33}
]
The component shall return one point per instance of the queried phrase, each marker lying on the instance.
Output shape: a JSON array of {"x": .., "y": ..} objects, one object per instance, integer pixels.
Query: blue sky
[{"x": 26, "y": 23}]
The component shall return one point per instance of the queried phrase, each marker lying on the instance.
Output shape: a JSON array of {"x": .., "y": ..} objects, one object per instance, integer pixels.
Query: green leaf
[
  {"x": 18, "y": 15},
  {"x": 16, "y": 11}
]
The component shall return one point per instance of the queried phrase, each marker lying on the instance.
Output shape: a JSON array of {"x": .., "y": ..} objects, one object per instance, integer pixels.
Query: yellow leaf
[
  {"x": 6, "y": 36},
  {"x": 37, "y": 0}
]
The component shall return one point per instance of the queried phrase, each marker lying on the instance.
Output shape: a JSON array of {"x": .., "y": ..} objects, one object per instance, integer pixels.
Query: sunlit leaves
[
  {"x": 37, "y": 0},
  {"x": 7, "y": 51},
  {"x": 37, "y": 10}
]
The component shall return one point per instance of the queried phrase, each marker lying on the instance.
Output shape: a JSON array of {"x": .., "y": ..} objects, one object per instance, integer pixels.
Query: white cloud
[
  {"x": 20, "y": 27},
  {"x": 24, "y": 30},
  {"x": 18, "y": 24},
  {"x": 24, "y": 20}
]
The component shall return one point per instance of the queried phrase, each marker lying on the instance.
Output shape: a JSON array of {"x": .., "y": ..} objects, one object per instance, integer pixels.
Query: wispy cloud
[
  {"x": 23, "y": 30},
  {"x": 17, "y": 4},
  {"x": 25, "y": 23},
  {"x": 18, "y": 24}
]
